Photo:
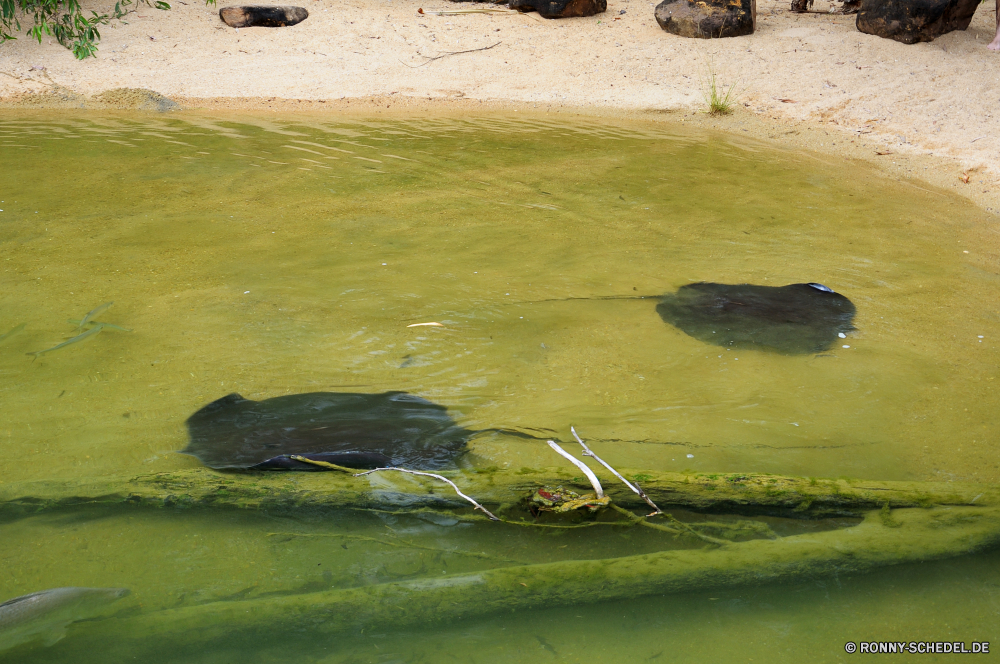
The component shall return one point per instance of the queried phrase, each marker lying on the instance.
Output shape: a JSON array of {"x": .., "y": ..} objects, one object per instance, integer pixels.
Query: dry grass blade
[{"x": 456, "y": 12}]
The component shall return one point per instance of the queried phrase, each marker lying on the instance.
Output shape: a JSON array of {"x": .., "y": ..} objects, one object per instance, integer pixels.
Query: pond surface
[{"x": 272, "y": 256}]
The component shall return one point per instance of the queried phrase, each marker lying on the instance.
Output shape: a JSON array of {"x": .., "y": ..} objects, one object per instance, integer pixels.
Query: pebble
[
  {"x": 690, "y": 456},
  {"x": 846, "y": 346},
  {"x": 841, "y": 335}
]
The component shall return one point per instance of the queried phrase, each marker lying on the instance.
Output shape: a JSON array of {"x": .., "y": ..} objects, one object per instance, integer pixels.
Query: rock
[
  {"x": 802, "y": 6},
  {"x": 707, "y": 19},
  {"x": 912, "y": 21},
  {"x": 262, "y": 17},
  {"x": 561, "y": 8}
]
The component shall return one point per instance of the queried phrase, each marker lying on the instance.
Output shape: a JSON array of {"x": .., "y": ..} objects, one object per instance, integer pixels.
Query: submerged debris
[{"x": 560, "y": 500}]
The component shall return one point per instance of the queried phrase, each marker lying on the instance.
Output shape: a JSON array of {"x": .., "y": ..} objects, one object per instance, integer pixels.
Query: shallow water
[{"x": 271, "y": 256}]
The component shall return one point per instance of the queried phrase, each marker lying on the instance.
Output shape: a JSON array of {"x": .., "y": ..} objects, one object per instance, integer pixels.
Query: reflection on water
[{"x": 271, "y": 257}]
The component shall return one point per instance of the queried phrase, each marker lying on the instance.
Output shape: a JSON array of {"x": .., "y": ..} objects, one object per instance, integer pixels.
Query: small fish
[
  {"x": 426, "y": 325},
  {"x": 94, "y": 312},
  {"x": 44, "y": 615},
  {"x": 107, "y": 326},
  {"x": 80, "y": 337},
  {"x": 545, "y": 644},
  {"x": 7, "y": 336}
]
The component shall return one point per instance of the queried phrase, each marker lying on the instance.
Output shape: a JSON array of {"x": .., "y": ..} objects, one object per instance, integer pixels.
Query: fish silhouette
[
  {"x": 793, "y": 319},
  {"x": 43, "y": 616},
  {"x": 342, "y": 428}
]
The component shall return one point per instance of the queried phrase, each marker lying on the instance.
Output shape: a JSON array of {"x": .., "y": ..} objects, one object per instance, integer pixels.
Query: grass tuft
[{"x": 720, "y": 100}]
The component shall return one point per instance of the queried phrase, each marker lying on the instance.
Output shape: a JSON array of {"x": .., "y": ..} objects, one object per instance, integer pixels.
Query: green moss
[{"x": 885, "y": 516}]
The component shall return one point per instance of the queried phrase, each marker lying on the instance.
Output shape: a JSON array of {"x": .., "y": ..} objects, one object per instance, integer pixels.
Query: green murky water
[{"x": 276, "y": 256}]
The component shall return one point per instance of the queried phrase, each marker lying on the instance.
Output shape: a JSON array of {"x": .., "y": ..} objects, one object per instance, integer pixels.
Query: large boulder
[
  {"x": 561, "y": 8},
  {"x": 912, "y": 21},
  {"x": 262, "y": 17},
  {"x": 707, "y": 19}
]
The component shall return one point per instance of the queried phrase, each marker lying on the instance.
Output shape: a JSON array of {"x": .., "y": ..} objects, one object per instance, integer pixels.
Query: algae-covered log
[
  {"x": 730, "y": 493},
  {"x": 881, "y": 539}
]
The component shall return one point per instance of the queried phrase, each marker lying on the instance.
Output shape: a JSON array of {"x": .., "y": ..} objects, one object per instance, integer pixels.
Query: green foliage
[
  {"x": 65, "y": 20},
  {"x": 720, "y": 100}
]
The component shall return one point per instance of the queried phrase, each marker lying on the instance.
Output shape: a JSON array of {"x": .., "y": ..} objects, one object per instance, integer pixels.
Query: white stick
[
  {"x": 635, "y": 487},
  {"x": 438, "y": 477},
  {"x": 582, "y": 466}
]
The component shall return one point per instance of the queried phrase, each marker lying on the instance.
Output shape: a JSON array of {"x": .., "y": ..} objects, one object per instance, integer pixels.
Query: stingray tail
[
  {"x": 599, "y": 297},
  {"x": 524, "y": 432}
]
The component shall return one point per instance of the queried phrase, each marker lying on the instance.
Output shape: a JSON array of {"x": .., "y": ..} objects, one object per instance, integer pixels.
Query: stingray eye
[{"x": 820, "y": 287}]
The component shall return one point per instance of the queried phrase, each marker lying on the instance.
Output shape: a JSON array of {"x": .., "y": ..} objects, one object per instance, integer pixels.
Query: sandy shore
[{"x": 804, "y": 80}]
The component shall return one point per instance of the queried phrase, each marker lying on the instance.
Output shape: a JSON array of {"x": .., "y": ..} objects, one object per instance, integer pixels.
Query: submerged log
[
  {"x": 883, "y": 538},
  {"x": 734, "y": 493}
]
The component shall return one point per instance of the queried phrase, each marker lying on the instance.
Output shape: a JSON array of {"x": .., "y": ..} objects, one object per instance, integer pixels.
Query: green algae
[{"x": 920, "y": 535}]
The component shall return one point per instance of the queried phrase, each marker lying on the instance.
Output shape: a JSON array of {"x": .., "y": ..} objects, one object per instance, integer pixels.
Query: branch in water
[
  {"x": 635, "y": 487},
  {"x": 437, "y": 477},
  {"x": 321, "y": 464},
  {"x": 582, "y": 466}
]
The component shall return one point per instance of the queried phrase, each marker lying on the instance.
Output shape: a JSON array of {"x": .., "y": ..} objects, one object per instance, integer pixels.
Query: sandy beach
[{"x": 806, "y": 81}]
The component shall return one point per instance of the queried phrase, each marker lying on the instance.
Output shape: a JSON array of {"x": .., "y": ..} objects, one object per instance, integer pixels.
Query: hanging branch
[
  {"x": 635, "y": 487},
  {"x": 582, "y": 466},
  {"x": 438, "y": 477}
]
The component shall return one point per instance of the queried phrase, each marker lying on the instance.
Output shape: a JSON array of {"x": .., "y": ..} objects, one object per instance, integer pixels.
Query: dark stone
[
  {"x": 793, "y": 319},
  {"x": 849, "y": 6},
  {"x": 262, "y": 17},
  {"x": 342, "y": 428},
  {"x": 561, "y": 8},
  {"x": 707, "y": 19},
  {"x": 912, "y": 21}
]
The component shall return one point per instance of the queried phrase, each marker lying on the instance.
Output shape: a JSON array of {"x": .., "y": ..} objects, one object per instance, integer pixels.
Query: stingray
[
  {"x": 791, "y": 320},
  {"x": 342, "y": 428}
]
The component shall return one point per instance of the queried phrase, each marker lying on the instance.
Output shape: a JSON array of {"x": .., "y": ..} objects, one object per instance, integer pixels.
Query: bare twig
[
  {"x": 437, "y": 477},
  {"x": 681, "y": 526},
  {"x": 321, "y": 464},
  {"x": 445, "y": 55},
  {"x": 635, "y": 487},
  {"x": 456, "y": 12},
  {"x": 582, "y": 466}
]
